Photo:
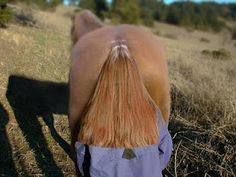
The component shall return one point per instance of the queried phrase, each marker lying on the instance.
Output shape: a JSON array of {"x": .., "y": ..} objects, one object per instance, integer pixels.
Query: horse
[{"x": 118, "y": 76}]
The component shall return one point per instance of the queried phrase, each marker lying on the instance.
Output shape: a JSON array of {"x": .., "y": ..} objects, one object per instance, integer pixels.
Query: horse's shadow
[
  {"x": 7, "y": 166},
  {"x": 31, "y": 99}
]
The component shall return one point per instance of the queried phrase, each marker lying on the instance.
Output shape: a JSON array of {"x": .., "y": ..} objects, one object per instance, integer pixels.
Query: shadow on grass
[
  {"x": 31, "y": 99},
  {"x": 7, "y": 166}
]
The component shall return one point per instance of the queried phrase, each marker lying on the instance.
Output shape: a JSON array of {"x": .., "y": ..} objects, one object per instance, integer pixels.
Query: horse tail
[{"x": 120, "y": 112}]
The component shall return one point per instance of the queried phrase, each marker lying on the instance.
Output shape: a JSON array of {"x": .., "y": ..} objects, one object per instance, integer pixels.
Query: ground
[{"x": 34, "y": 65}]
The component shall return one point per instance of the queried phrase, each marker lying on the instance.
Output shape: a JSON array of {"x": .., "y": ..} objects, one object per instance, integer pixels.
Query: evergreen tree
[
  {"x": 147, "y": 9},
  {"x": 96, "y": 6},
  {"x": 148, "y": 5},
  {"x": 200, "y": 16},
  {"x": 160, "y": 10},
  {"x": 88, "y": 4},
  {"x": 101, "y": 7},
  {"x": 146, "y": 16},
  {"x": 126, "y": 11}
]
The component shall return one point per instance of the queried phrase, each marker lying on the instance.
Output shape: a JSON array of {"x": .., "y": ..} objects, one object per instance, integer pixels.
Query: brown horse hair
[
  {"x": 82, "y": 23},
  {"x": 120, "y": 112}
]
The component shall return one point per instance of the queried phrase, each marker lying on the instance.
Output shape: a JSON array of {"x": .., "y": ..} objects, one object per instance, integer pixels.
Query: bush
[
  {"x": 25, "y": 17},
  {"x": 222, "y": 54},
  {"x": 206, "y": 52},
  {"x": 202, "y": 39},
  {"x": 5, "y": 13},
  {"x": 42, "y": 4},
  {"x": 54, "y": 3}
]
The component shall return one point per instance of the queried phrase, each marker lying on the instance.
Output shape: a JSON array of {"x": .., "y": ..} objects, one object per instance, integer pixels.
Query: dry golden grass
[
  {"x": 203, "y": 113},
  {"x": 29, "y": 145},
  {"x": 203, "y": 104}
]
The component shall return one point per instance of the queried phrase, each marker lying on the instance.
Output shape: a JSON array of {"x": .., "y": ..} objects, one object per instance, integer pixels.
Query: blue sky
[{"x": 170, "y": 1}]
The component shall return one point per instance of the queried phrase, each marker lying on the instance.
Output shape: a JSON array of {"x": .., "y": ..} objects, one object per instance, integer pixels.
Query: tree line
[{"x": 204, "y": 16}]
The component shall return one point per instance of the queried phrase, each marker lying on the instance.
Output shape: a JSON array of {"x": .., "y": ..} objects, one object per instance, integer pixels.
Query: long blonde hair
[{"x": 120, "y": 112}]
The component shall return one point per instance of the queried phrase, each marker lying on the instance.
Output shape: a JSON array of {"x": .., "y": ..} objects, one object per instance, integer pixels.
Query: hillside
[{"x": 34, "y": 68}]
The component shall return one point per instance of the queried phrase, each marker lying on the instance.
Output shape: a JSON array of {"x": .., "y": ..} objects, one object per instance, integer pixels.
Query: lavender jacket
[{"x": 148, "y": 161}]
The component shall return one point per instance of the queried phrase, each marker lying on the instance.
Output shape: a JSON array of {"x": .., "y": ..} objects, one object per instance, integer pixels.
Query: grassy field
[{"x": 34, "y": 65}]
